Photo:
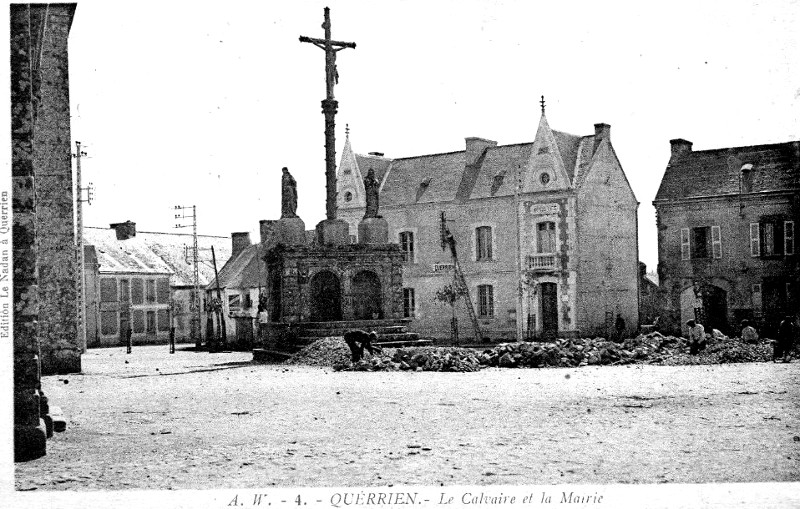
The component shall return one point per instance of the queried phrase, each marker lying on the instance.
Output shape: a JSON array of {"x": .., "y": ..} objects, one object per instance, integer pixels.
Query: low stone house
[
  {"x": 144, "y": 280},
  {"x": 726, "y": 235}
]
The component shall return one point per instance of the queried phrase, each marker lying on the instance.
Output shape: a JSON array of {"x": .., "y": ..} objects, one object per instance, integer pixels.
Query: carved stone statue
[
  {"x": 371, "y": 187},
  {"x": 288, "y": 195}
]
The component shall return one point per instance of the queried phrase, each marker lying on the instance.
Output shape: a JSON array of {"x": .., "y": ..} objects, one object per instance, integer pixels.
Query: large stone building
[
  {"x": 44, "y": 258},
  {"x": 144, "y": 281},
  {"x": 726, "y": 234},
  {"x": 570, "y": 233}
]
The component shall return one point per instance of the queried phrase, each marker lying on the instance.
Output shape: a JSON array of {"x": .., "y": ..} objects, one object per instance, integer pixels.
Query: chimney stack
[
  {"x": 239, "y": 242},
  {"x": 601, "y": 132},
  {"x": 475, "y": 148},
  {"x": 680, "y": 146},
  {"x": 124, "y": 231}
]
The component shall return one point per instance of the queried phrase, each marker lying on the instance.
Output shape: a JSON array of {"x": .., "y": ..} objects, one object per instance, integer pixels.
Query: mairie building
[{"x": 560, "y": 251}]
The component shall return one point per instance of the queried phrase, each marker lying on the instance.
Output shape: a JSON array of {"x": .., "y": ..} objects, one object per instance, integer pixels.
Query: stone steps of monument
[
  {"x": 380, "y": 330},
  {"x": 356, "y": 324},
  {"x": 382, "y": 338}
]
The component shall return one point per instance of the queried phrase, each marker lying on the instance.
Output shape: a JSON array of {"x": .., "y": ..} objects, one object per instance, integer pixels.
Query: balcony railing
[{"x": 541, "y": 262}]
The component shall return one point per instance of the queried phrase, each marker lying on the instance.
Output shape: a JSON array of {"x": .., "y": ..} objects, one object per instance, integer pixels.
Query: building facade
[
  {"x": 726, "y": 235},
  {"x": 144, "y": 282},
  {"x": 558, "y": 252}
]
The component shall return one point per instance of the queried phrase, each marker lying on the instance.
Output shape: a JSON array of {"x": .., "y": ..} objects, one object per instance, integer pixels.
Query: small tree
[{"x": 449, "y": 295}]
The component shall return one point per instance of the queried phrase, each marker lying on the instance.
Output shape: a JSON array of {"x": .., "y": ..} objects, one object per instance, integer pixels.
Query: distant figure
[
  {"x": 358, "y": 341},
  {"x": 371, "y": 188},
  {"x": 619, "y": 325},
  {"x": 288, "y": 195},
  {"x": 786, "y": 333},
  {"x": 263, "y": 320},
  {"x": 749, "y": 334},
  {"x": 697, "y": 337}
]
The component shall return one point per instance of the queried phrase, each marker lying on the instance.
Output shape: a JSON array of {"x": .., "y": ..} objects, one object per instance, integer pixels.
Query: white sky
[{"x": 203, "y": 103}]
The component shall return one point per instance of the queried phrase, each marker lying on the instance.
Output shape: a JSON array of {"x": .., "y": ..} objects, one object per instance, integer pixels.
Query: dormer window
[{"x": 747, "y": 178}]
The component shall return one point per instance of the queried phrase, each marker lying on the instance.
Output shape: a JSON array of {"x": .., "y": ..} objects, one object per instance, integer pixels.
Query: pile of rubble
[
  {"x": 424, "y": 358},
  {"x": 653, "y": 348}
]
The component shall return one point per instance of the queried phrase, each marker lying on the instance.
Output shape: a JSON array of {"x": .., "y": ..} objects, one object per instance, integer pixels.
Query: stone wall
[
  {"x": 736, "y": 271},
  {"x": 39, "y": 124},
  {"x": 52, "y": 163}
]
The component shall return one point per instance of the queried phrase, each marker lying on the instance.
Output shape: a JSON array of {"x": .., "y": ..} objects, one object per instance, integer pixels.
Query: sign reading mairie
[{"x": 541, "y": 209}]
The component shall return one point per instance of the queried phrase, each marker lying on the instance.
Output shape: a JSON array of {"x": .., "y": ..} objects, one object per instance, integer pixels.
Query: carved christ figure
[
  {"x": 371, "y": 187},
  {"x": 288, "y": 195}
]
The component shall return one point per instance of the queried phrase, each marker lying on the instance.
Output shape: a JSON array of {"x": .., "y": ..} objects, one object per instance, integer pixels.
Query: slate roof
[
  {"x": 156, "y": 253},
  {"x": 448, "y": 179},
  {"x": 776, "y": 167},
  {"x": 245, "y": 270},
  {"x": 377, "y": 163}
]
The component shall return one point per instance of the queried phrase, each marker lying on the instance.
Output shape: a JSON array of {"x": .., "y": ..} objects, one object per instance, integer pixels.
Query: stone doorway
[
  {"x": 549, "y": 296},
  {"x": 367, "y": 301},
  {"x": 326, "y": 297}
]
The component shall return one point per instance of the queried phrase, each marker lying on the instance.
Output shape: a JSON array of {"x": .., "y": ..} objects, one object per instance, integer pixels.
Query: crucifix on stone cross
[{"x": 329, "y": 106}]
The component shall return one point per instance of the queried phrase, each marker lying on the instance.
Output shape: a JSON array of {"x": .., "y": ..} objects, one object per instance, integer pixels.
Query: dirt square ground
[{"x": 195, "y": 420}]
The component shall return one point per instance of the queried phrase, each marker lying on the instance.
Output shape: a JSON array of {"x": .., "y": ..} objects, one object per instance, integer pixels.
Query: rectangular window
[
  {"x": 546, "y": 237},
  {"x": 138, "y": 321},
  {"x": 151, "y": 322},
  {"x": 109, "y": 322},
  {"x": 788, "y": 238},
  {"x": 755, "y": 237},
  {"x": 162, "y": 291},
  {"x": 408, "y": 303},
  {"x": 483, "y": 243},
  {"x": 108, "y": 290},
  {"x": 700, "y": 242},
  {"x": 124, "y": 290},
  {"x": 716, "y": 242},
  {"x": 407, "y": 246},
  {"x": 485, "y": 301},
  {"x": 137, "y": 291},
  {"x": 685, "y": 252},
  {"x": 180, "y": 323},
  {"x": 234, "y": 302},
  {"x": 151, "y": 291},
  {"x": 163, "y": 320},
  {"x": 769, "y": 239}
]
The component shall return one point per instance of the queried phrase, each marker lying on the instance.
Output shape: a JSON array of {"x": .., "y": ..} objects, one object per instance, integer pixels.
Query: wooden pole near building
[{"x": 224, "y": 332}]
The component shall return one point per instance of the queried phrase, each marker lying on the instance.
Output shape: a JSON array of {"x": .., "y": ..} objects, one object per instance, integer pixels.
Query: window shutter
[
  {"x": 716, "y": 242},
  {"x": 685, "y": 244},
  {"x": 788, "y": 238},
  {"x": 755, "y": 247}
]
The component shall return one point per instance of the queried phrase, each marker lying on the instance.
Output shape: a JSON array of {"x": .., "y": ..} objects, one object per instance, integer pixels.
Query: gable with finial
[
  {"x": 349, "y": 180},
  {"x": 545, "y": 169}
]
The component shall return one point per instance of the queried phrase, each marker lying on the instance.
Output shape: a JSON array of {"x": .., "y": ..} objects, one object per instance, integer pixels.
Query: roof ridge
[{"x": 761, "y": 145}]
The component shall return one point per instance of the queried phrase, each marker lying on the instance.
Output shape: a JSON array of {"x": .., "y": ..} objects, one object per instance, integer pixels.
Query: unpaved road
[{"x": 198, "y": 420}]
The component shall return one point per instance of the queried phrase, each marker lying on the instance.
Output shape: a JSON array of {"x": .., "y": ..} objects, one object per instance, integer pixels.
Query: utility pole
[
  {"x": 329, "y": 106},
  {"x": 195, "y": 302},
  {"x": 81, "y": 277}
]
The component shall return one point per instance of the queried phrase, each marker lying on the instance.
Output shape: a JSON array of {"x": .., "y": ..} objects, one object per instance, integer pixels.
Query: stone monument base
[
  {"x": 290, "y": 231},
  {"x": 333, "y": 232},
  {"x": 373, "y": 230}
]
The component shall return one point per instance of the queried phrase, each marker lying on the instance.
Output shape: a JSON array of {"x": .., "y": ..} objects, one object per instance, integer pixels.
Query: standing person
[
  {"x": 263, "y": 320},
  {"x": 783, "y": 347},
  {"x": 697, "y": 337},
  {"x": 749, "y": 334}
]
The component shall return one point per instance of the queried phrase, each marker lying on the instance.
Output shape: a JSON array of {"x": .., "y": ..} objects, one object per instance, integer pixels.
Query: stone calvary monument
[{"x": 330, "y": 283}]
